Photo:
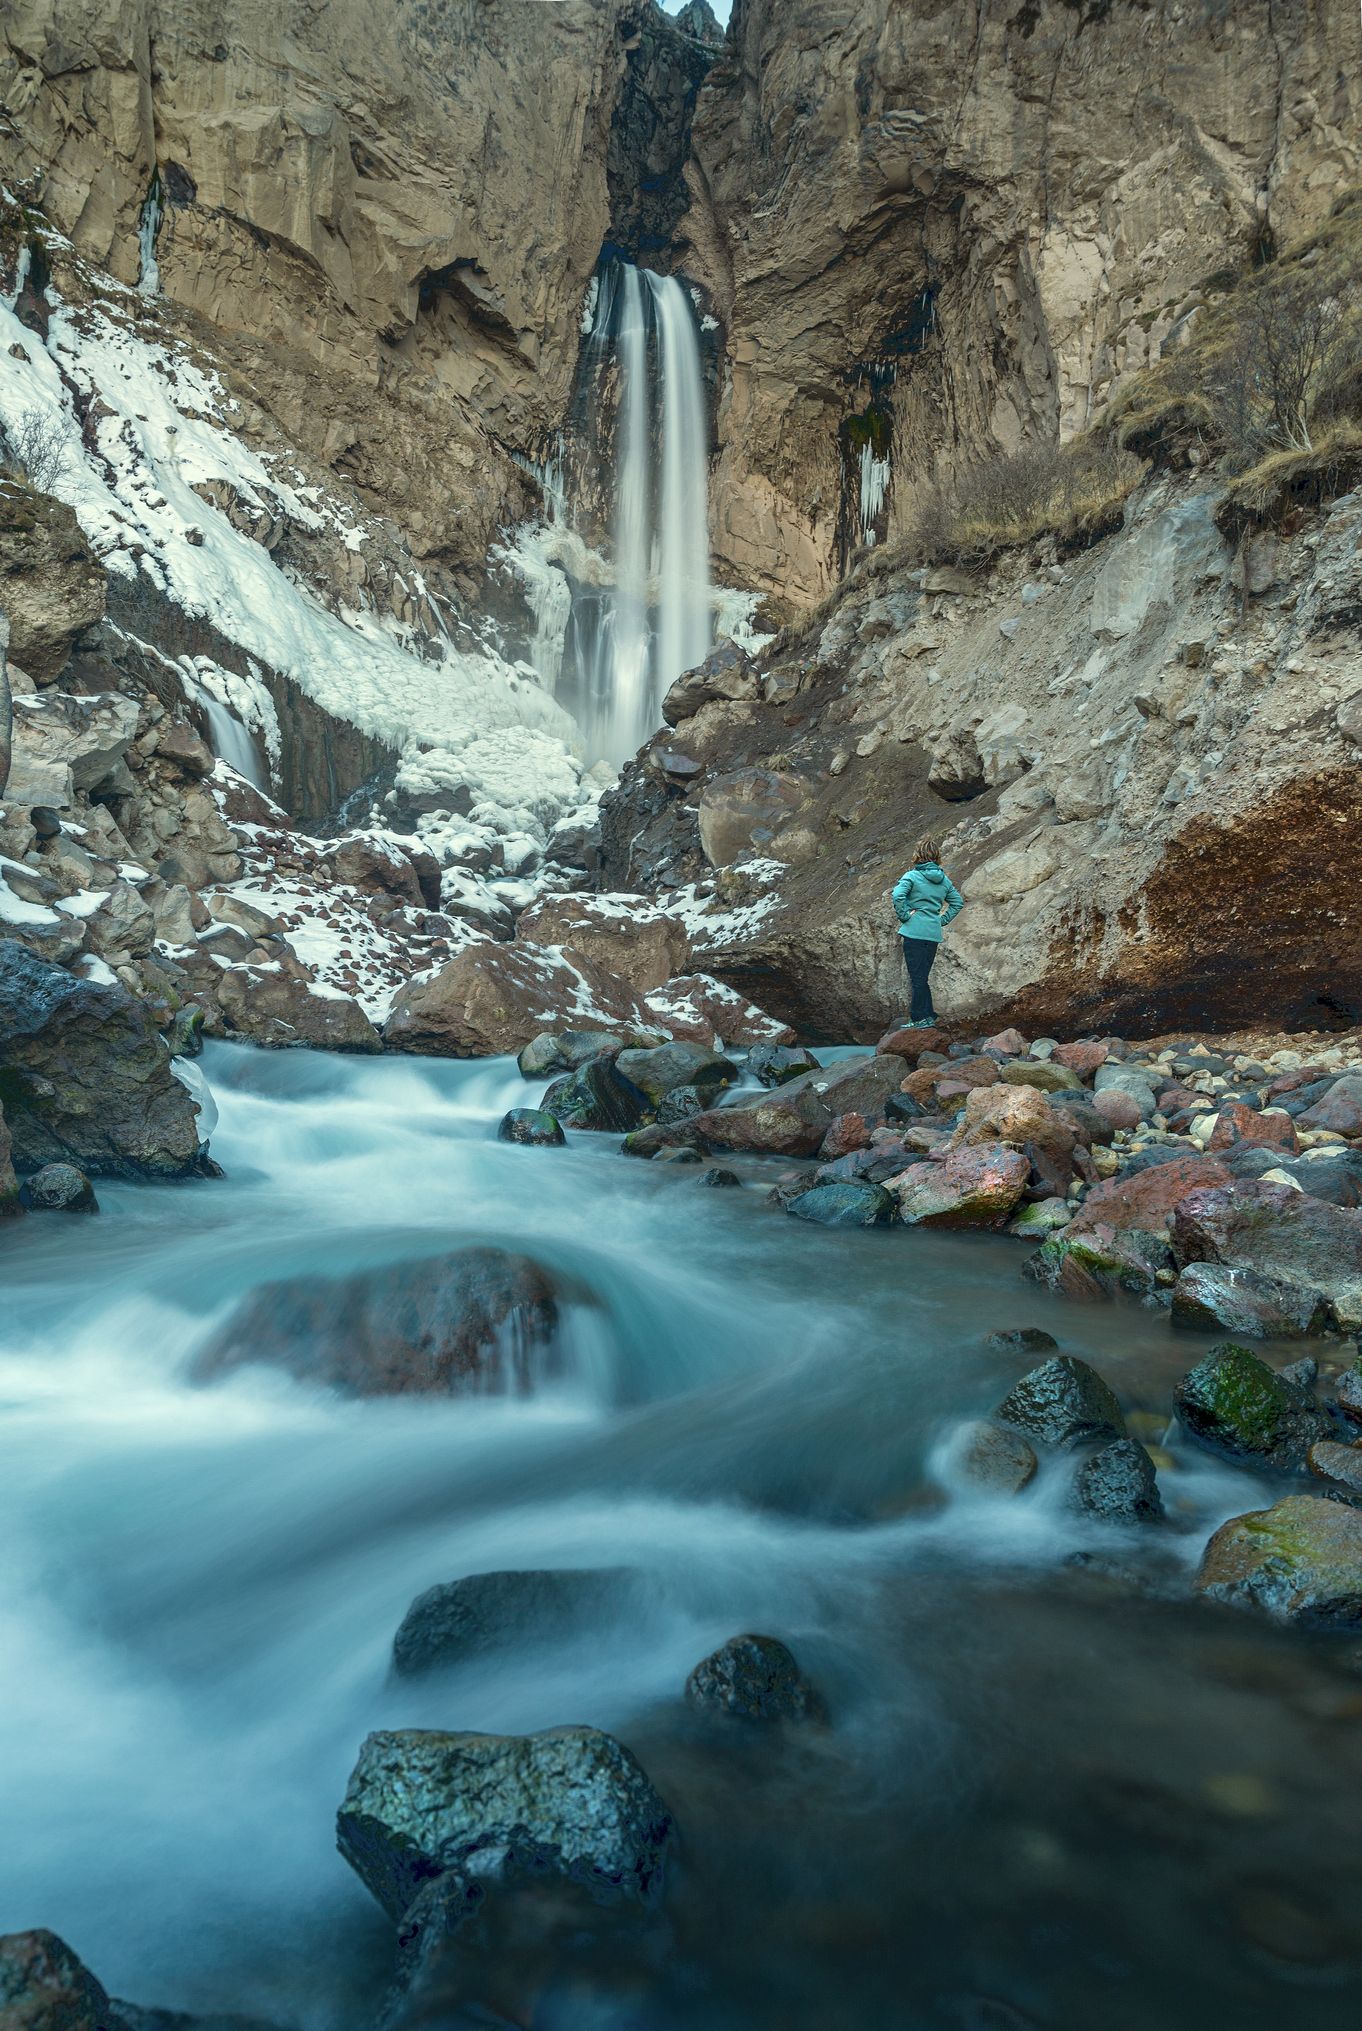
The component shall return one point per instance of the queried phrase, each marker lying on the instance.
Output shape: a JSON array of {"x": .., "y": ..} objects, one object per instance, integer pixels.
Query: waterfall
[
  {"x": 232, "y": 742},
  {"x": 612, "y": 633},
  {"x": 686, "y": 618}
]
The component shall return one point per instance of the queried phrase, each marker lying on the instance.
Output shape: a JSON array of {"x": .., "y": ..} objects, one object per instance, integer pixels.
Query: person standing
[{"x": 925, "y": 900}]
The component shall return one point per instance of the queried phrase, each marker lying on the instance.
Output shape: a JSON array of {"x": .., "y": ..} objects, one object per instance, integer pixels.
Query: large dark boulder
[
  {"x": 421, "y": 1802},
  {"x": 1278, "y": 1232},
  {"x": 1235, "y": 1404},
  {"x": 596, "y": 1095},
  {"x": 490, "y": 1611},
  {"x": 754, "y": 1678},
  {"x": 472, "y": 1321},
  {"x": 10, "y": 1201},
  {"x": 1063, "y": 1402},
  {"x": 1300, "y": 1561},
  {"x": 85, "y": 1077}
]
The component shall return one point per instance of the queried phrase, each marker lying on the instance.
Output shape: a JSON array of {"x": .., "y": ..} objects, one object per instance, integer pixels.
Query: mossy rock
[
  {"x": 1300, "y": 1561},
  {"x": 1233, "y": 1403}
]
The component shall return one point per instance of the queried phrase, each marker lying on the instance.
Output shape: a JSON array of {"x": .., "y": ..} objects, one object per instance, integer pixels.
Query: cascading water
[{"x": 612, "y": 633}]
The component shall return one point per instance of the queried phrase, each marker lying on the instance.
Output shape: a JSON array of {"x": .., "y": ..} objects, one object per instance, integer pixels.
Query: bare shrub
[
  {"x": 1291, "y": 350},
  {"x": 34, "y": 448},
  {"x": 1074, "y": 492}
]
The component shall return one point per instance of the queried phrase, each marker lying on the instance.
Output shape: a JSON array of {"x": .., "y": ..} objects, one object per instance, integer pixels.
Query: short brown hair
[{"x": 927, "y": 848}]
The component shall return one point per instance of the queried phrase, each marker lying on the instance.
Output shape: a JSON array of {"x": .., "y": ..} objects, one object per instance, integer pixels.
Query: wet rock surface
[
  {"x": 1234, "y": 1403},
  {"x": 533, "y": 1126},
  {"x": 58, "y": 1188},
  {"x": 421, "y": 1802},
  {"x": 1063, "y": 1402},
  {"x": 1300, "y": 1562},
  {"x": 1118, "y": 1484},
  {"x": 754, "y": 1678}
]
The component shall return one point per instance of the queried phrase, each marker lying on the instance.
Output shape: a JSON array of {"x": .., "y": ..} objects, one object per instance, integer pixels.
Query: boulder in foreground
[
  {"x": 1300, "y": 1561},
  {"x": 421, "y": 1802},
  {"x": 1235, "y": 1404},
  {"x": 474, "y": 1321}
]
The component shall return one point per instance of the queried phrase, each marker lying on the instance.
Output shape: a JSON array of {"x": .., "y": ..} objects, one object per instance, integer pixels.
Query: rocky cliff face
[
  {"x": 933, "y": 227},
  {"x": 393, "y": 212}
]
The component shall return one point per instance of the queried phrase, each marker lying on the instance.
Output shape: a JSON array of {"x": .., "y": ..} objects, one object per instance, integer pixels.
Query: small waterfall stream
[
  {"x": 232, "y": 742},
  {"x": 630, "y": 622}
]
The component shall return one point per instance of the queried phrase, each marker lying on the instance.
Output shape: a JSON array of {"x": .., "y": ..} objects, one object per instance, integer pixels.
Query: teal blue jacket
[{"x": 925, "y": 900}]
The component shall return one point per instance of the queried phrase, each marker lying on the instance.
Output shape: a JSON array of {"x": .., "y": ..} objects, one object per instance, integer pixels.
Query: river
[{"x": 1046, "y": 1798}]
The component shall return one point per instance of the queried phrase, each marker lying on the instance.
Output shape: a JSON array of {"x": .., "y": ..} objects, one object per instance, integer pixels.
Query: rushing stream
[{"x": 1045, "y": 1798}]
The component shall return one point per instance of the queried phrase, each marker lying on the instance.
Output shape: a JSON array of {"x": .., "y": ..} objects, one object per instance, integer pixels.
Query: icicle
[{"x": 149, "y": 225}]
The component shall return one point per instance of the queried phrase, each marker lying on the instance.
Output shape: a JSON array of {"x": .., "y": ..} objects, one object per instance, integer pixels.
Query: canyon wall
[
  {"x": 933, "y": 227},
  {"x": 390, "y": 214}
]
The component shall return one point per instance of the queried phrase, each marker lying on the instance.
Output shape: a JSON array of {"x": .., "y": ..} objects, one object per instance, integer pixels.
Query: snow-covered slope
[{"x": 147, "y": 450}]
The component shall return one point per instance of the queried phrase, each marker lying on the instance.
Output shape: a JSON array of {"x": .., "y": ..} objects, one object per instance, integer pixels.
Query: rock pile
[{"x": 1227, "y": 1187}]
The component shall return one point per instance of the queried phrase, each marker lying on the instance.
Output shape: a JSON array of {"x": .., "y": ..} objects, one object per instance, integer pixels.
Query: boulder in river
[
  {"x": 1300, "y": 1561},
  {"x": 1118, "y": 1484},
  {"x": 87, "y": 1077},
  {"x": 665, "y": 1067},
  {"x": 1020, "y": 1116},
  {"x": 1235, "y": 1404},
  {"x": 534, "y": 1126},
  {"x": 775, "y": 1064},
  {"x": 58, "y": 1188},
  {"x": 1211, "y": 1299},
  {"x": 596, "y": 1096},
  {"x": 994, "y": 1459},
  {"x": 549, "y": 1053},
  {"x": 1022, "y": 1340},
  {"x": 843, "y": 1202},
  {"x": 973, "y": 1187},
  {"x": 1275, "y": 1231},
  {"x": 1348, "y": 1392},
  {"x": 716, "y": 1175},
  {"x": 421, "y": 1802},
  {"x": 1342, "y": 1464},
  {"x": 1062, "y": 1403},
  {"x": 473, "y": 1321},
  {"x": 790, "y": 1122},
  {"x": 44, "y": 1986},
  {"x": 754, "y": 1678},
  {"x": 490, "y": 1611}
]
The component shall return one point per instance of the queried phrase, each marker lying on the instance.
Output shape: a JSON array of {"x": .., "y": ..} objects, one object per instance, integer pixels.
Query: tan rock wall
[{"x": 1044, "y": 189}]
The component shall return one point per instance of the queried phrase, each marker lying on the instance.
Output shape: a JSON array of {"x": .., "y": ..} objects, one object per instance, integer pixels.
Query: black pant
[{"x": 918, "y": 954}]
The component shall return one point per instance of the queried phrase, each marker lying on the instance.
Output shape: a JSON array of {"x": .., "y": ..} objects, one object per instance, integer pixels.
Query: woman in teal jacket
[{"x": 925, "y": 901}]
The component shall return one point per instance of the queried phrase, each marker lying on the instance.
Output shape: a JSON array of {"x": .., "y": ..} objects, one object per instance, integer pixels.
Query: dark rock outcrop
[
  {"x": 1118, "y": 1484},
  {"x": 85, "y": 1077},
  {"x": 533, "y": 1126}
]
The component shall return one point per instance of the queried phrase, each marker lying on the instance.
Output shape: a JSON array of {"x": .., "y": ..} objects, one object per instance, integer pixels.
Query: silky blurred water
[{"x": 1043, "y": 1793}]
